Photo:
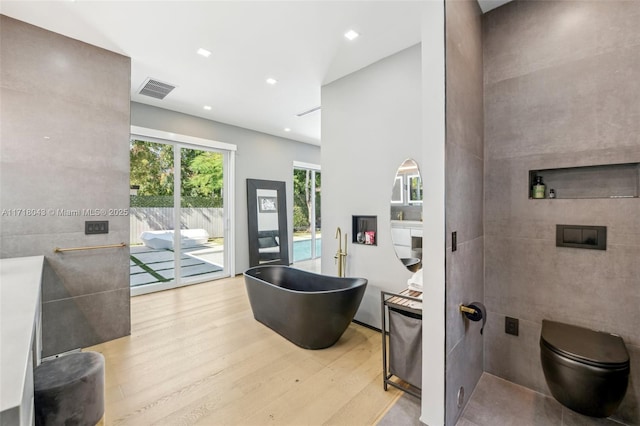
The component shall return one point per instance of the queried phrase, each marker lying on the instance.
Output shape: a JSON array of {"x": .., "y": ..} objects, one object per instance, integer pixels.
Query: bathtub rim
[{"x": 360, "y": 282}]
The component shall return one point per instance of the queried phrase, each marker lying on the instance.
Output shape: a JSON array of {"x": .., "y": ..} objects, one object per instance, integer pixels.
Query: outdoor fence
[{"x": 161, "y": 218}]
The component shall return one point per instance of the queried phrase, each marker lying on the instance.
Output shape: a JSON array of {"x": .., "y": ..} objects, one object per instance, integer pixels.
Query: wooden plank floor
[{"x": 196, "y": 356}]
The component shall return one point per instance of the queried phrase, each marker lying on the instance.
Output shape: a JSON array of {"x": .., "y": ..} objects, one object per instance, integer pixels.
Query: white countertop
[{"x": 20, "y": 280}]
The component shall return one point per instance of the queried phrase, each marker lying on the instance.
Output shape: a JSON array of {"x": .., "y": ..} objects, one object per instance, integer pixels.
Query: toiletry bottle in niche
[
  {"x": 538, "y": 188},
  {"x": 552, "y": 193}
]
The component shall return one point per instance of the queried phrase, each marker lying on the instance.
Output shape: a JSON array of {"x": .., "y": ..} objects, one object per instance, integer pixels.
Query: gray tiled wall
[
  {"x": 464, "y": 199},
  {"x": 65, "y": 146},
  {"x": 561, "y": 89}
]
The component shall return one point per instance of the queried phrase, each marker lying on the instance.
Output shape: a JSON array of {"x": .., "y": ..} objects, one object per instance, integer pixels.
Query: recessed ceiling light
[
  {"x": 203, "y": 52},
  {"x": 286, "y": 129},
  {"x": 271, "y": 81},
  {"x": 351, "y": 35},
  {"x": 207, "y": 107}
]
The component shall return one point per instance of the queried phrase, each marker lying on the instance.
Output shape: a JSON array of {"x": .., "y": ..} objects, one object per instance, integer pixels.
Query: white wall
[
  {"x": 433, "y": 243},
  {"x": 372, "y": 120},
  {"x": 259, "y": 156},
  {"x": 370, "y": 125}
]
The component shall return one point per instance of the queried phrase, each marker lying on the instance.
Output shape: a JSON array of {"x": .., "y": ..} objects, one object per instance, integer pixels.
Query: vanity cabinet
[
  {"x": 407, "y": 238},
  {"x": 401, "y": 241},
  {"x": 402, "y": 345},
  {"x": 20, "y": 338}
]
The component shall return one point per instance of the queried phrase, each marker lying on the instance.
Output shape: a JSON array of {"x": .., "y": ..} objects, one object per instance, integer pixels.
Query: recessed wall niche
[
  {"x": 364, "y": 230},
  {"x": 599, "y": 181}
]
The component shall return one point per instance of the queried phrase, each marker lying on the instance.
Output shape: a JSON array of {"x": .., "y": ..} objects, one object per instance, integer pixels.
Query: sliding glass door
[
  {"x": 201, "y": 215},
  {"x": 180, "y": 221}
]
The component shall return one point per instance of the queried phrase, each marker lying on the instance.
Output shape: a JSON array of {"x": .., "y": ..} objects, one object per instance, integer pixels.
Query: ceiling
[{"x": 300, "y": 44}]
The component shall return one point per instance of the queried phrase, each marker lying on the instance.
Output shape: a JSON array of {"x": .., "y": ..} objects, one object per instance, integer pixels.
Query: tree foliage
[
  {"x": 206, "y": 174},
  {"x": 152, "y": 169},
  {"x": 302, "y": 198}
]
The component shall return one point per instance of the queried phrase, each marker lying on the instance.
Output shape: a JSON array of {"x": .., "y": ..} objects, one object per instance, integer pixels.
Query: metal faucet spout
[{"x": 341, "y": 256}]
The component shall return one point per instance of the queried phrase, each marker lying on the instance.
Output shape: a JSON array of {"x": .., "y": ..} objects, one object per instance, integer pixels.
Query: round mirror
[{"x": 406, "y": 215}]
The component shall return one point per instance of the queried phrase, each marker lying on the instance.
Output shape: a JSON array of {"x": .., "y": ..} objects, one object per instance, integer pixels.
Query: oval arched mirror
[{"x": 406, "y": 215}]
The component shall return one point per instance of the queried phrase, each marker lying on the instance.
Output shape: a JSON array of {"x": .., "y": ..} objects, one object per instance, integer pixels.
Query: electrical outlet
[
  {"x": 511, "y": 325},
  {"x": 96, "y": 227}
]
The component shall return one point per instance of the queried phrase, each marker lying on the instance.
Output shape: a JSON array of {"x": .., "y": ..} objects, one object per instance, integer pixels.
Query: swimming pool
[{"x": 302, "y": 249}]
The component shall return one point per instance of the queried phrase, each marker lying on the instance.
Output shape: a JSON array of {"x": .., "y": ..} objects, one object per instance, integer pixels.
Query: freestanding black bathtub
[{"x": 308, "y": 309}]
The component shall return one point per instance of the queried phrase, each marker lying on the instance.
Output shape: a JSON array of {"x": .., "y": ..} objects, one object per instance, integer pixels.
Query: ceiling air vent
[{"x": 155, "y": 89}]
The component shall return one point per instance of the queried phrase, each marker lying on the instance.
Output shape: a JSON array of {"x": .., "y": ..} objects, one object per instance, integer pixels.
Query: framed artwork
[{"x": 268, "y": 204}]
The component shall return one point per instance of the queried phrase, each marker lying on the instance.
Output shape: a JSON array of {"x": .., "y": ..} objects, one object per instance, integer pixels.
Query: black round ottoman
[{"x": 70, "y": 390}]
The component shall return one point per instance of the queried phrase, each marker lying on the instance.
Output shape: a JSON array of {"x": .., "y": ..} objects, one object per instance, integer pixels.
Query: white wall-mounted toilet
[{"x": 586, "y": 370}]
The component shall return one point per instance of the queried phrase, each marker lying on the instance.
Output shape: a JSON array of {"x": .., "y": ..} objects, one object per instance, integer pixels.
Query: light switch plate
[{"x": 96, "y": 227}]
